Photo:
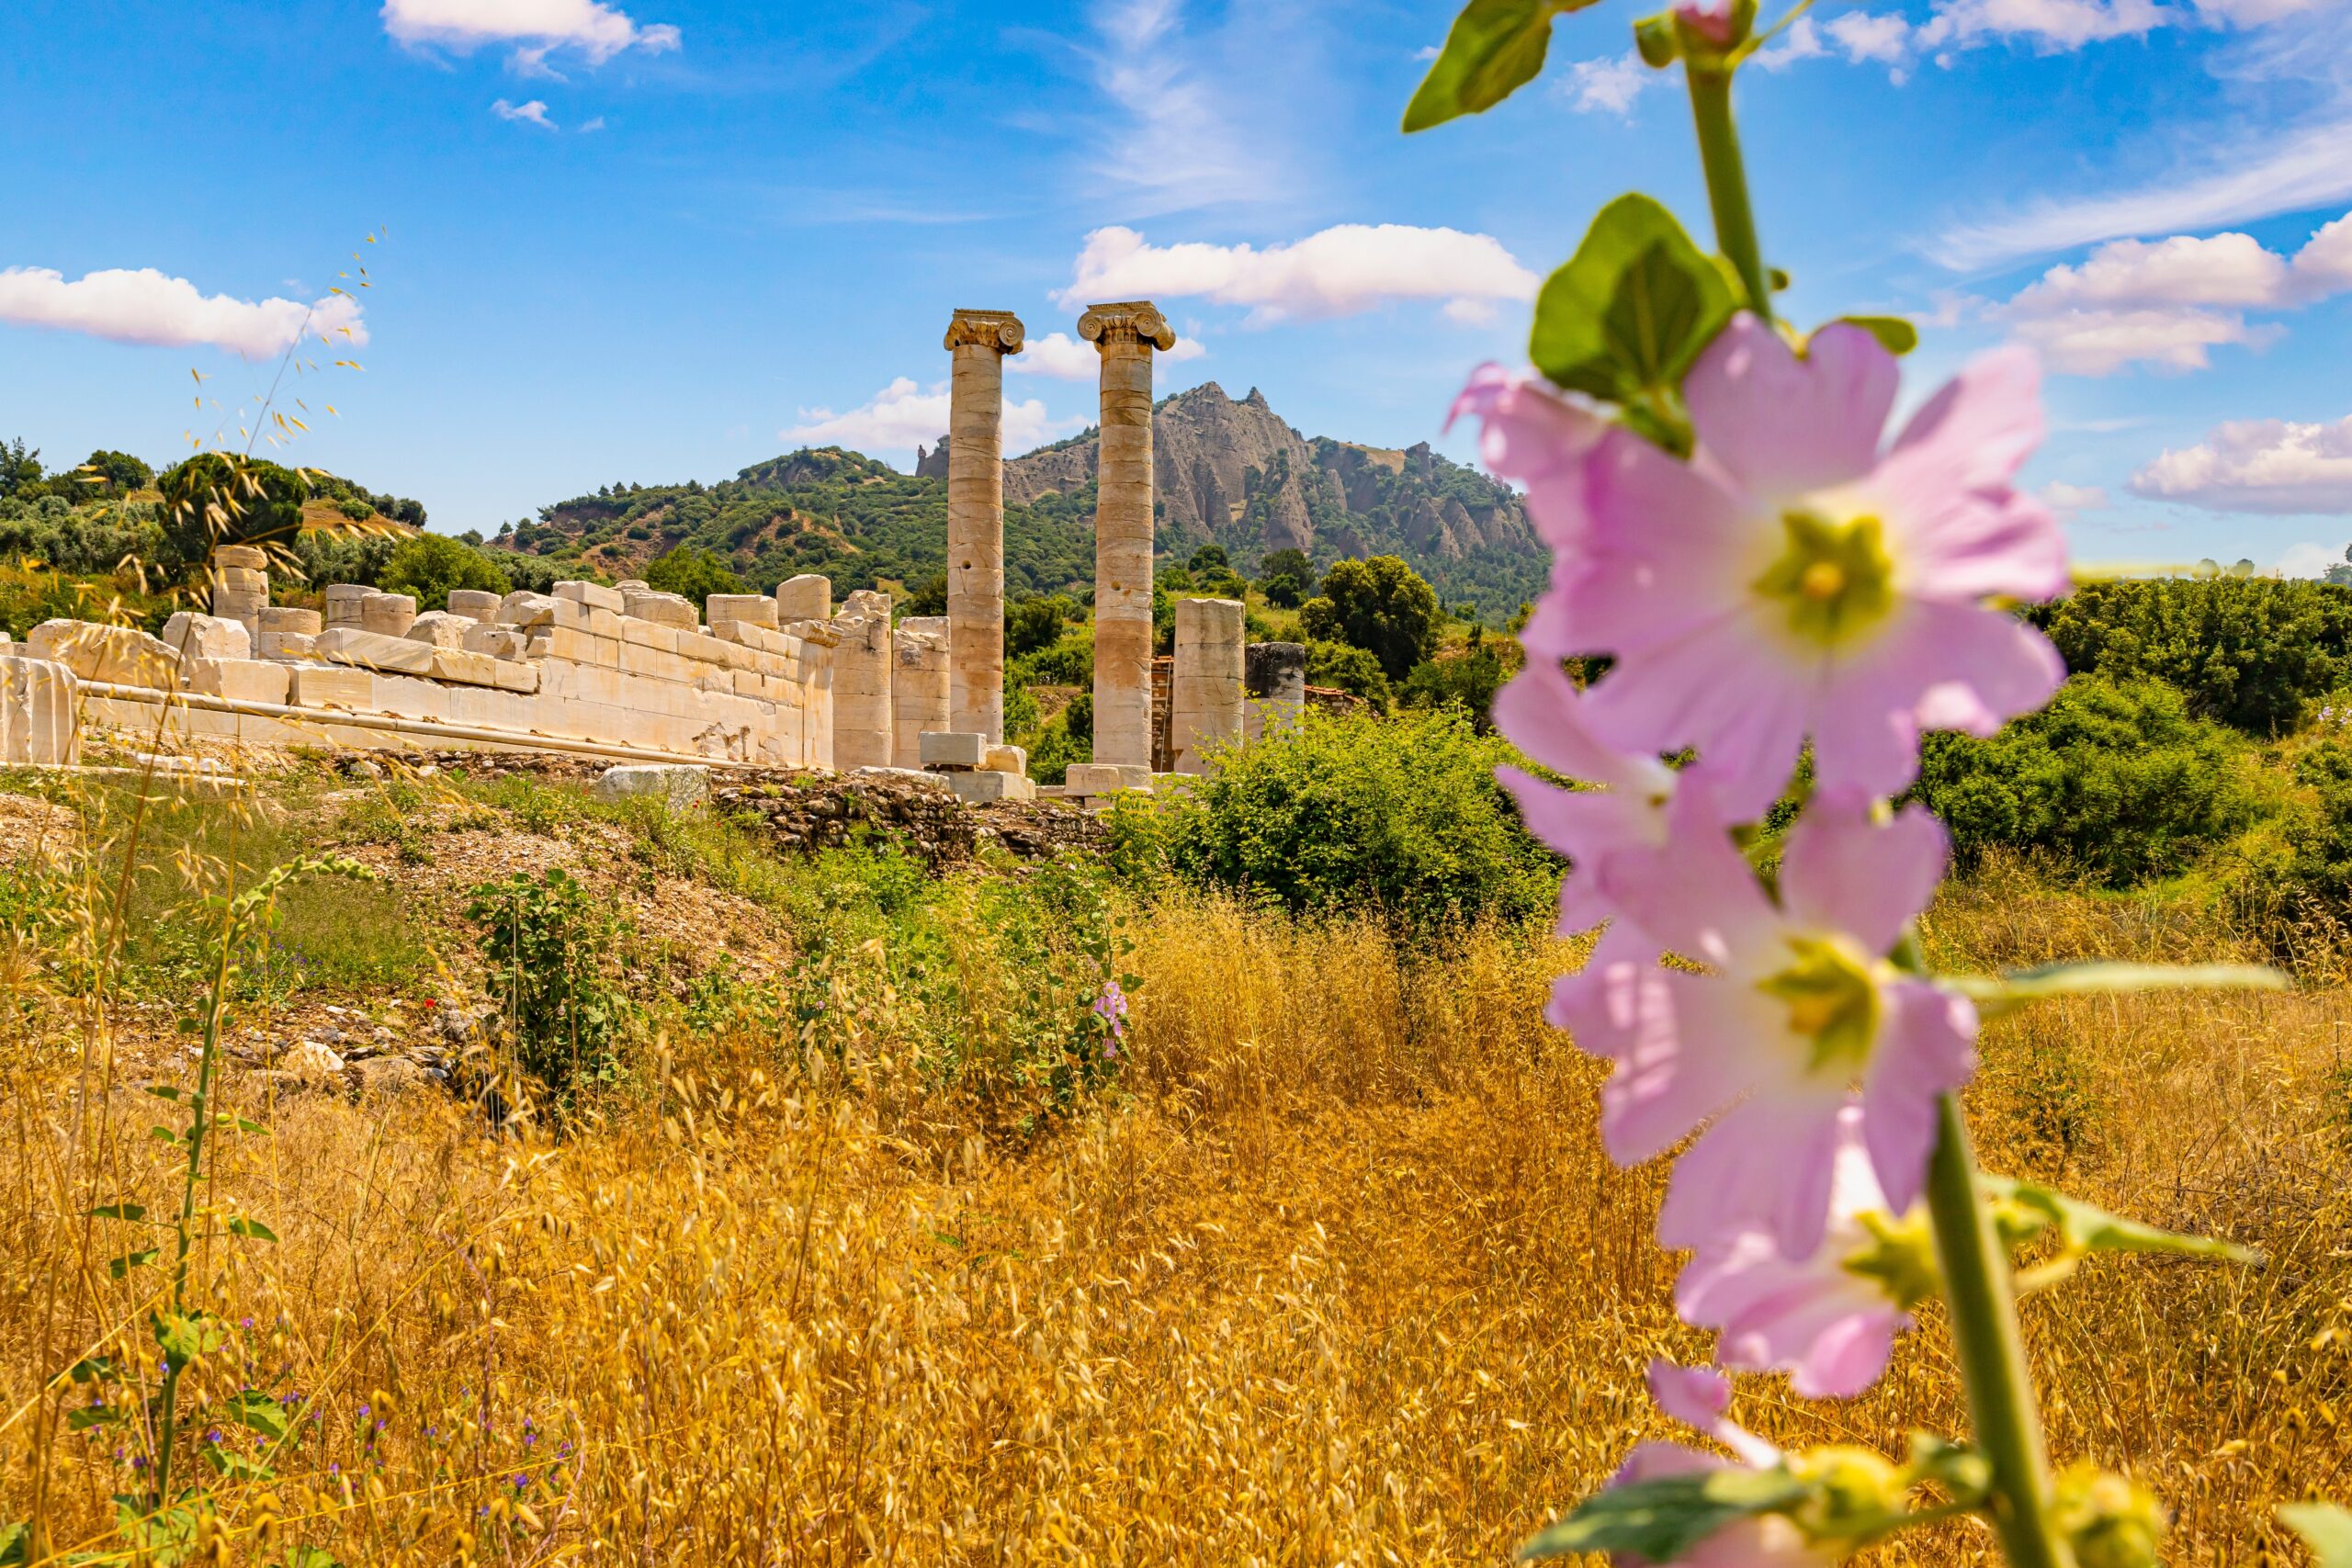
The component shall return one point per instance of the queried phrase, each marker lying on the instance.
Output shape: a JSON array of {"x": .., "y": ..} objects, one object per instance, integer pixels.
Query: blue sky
[{"x": 652, "y": 240}]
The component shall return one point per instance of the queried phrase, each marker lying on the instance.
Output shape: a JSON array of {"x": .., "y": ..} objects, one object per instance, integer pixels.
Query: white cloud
[
  {"x": 536, "y": 26},
  {"x": 1802, "y": 41},
  {"x": 1607, "y": 86},
  {"x": 1057, "y": 354},
  {"x": 2067, "y": 500},
  {"x": 2312, "y": 169},
  {"x": 596, "y": 124},
  {"x": 2051, "y": 24},
  {"x": 533, "y": 113},
  {"x": 2167, "y": 303},
  {"x": 1184, "y": 141},
  {"x": 902, "y": 416},
  {"x": 2270, "y": 465},
  {"x": 2308, "y": 559},
  {"x": 1338, "y": 271},
  {"x": 2254, "y": 13},
  {"x": 1882, "y": 37},
  {"x": 147, "y": 307}
]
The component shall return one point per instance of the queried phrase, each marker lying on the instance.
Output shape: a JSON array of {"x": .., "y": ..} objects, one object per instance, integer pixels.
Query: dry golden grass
[{"x": 1345, "y": 1279}]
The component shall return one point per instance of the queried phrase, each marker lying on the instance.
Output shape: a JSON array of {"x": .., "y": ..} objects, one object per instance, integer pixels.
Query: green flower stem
[
  {"x": 1991, "y": 1357},
  {"x": 1727, "y": 178}
]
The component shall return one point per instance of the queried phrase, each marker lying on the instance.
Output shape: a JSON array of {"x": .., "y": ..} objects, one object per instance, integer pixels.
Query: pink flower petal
[
  {"x": 1678, "y": 1040},
  {"x": 1667, "y": 545},
  {"x": 1543, "y": 713},
  {"x": 1927, "y": 1045},
  {"x": 1696, "y": 895},
  {"x": 1847, "y": 1356},
  {"x": 1724, "y": 688},
  {"x": 1584, "y": 826},
  {"x": 1782, "y": 426},
  {"x": 1970, "y": 543},
  {"x": 1699, "y": 1397},
  {"x": 1530, "y": 434},
  {"x": 1980, "y": 426},
  {"x": 1767, "y": 1163},
  {"x": 1843, "y": 872}
]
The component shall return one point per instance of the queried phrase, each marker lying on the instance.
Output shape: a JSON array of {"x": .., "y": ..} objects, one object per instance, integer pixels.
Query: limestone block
[
  {"x": 499, "y": 642},
  {"x": 1006, "y": 759},
  {"x": 727, "y": 609},
  {"x": 702, "y": 648},
  {"x": 475, "y": 603},
  {"x": 808, "y": 597},
  {"x": 511, "y": 675},
  {"x": 1105, "y": 778},
  {"x": 374, "y": 650},
  {"x": 930, "y": 625},
  {"x": 242, "y": 557},
  {"x": 239, "y": 580},
  {"x": 404, "y": 696},
  {"x": 284, "y": 619},
  {"x": 593, "y": 595},
  {"x": 206, "y": 636},
  {"x": 288, "y": 646},
  {"x": 632, "y": 584},
  {"x": 343, "y": 601},
  {"x": 388, "y": 614},
  {"x": 330, "y": 686},
  {"x": 651, "y": 634},
  {"x": 239, "y": 679},
  {"x": 951, "y": 749},
  {"x": 663, "y": 609},
  {"x": 529, "y": 611},
  {"x": 867, "y": 601},
  {"x": 986, "y": 787},
  {"x": 441, "y": 628},
  {"x": 563, "y": 642},
  {"x": 456, "y": 664},
  {"x": 1205, "y": 684},
  {"x": 39, "y": 714},
  {"x": 122, "y": 654},
  {"x": 681, "y": 786}
]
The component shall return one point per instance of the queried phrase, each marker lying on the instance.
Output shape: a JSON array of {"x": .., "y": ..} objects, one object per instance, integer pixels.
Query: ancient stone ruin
[{"x": 629, "y": 675}]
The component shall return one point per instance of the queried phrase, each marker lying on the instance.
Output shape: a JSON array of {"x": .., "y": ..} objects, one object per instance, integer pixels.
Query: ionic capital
[
  {"x": 1127, "y": 321},
  {"x": 999, "y": 329}
]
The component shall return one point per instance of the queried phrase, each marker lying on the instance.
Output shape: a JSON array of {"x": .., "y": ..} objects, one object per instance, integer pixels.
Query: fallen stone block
[
  {"x": 388, "y": 614},
  {"x": 593, "y": 595},
  {"x": 475, "y": 603},
  {"x": 39, "y": 714},
  {"x": 192, "y": 635},
  {"x": 1105, "y": 778},
  {"x": 1006, "y": 759},
  {"x": 330, "y": 686},
  {"x": 949, "y": 748},
  {"x": 239, "y": 679},
  {"x": 663, "y": 609},
  {"x": 531, "y": 612},
  {"x": 985, "y": 789},
  {"x": 441, "y": 628},
  {"x": 808, "y": 597},
  {"x": 284, "y": 619},
  {"x": 681, "y": 786},
  {"x": 124, "y": 655},
  {"x": 374, "y": 650},
  {"x": 499, "y": 642}
]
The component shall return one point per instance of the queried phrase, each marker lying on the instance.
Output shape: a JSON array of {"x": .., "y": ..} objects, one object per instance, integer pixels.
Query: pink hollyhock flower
[
  {"x": 1829, "y": 1320},
  {"x": 1794, "y": 581},
  {"x": 1541, "y": 713},
  {"x": 1799, "y": 1005},
  {"x": 1532, "y": 432},
  {"x": 1697, "y": 1397}
]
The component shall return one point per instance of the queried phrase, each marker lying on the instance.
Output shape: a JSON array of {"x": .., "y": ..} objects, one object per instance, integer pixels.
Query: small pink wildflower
[
  {"x": 1829, "y": 1320},
  {"x": 1697, "y": 1396},
  {"x": 1792, "y": 581},
  {"x": 1798, "y": 1006}
]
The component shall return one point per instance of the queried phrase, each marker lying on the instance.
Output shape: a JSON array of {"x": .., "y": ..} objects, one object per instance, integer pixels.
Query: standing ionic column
[
  {"x": 978, "y": 341},
  {"x": 1125, "y": 333}
]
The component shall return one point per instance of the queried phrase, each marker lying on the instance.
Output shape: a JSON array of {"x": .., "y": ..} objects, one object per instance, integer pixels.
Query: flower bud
[
  {"x": 2111, "y": 1521},
  {"x": 1855, "y": 1494}
]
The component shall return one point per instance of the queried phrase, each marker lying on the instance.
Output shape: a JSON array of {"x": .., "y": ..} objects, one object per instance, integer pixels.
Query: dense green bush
[
  {"x": 1035, "y": 623},
  {"x": 2249, "y": 652},
  {"x": 1069, "y": 661},
  {"x": 429, "y": 565},
  {"x": 2117, "y": 777},
  {"x": 92, "y": 539},
  {"x": 694, "y": 575},
  {"x": 214, "y": 498},
  {"x": 1336, "y": 665},
  {"x": 1404, "y": 818},
  {"x": 548, "y": 950},
  {"x": 1468, "y": 680}
]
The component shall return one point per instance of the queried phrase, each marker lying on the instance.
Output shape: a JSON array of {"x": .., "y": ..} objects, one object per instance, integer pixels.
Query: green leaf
[
  {"x": 253, "y": 1229},
  {"x": 16, "y": 1544},
  {"x": 234, "y": 1466},
  {"x": 89, "y": 1415},
  {"x": 186, "y": 1338},
  {"x": 1661, "y": 1519},
  {"x": 163, "y": 1133},
  {"x": 1494, "y": 48},
  {"x": 2085, "y": 1227},
  {"x": 1893, "y": 334},
  {"x": 1997, "y": 994},
  {"x": 2325, "y": 1529},
  {"x": 134, "y": 1213},
  {"x": 255, "y": 1128},
  {"x": 258, "y": 1412},
  {"x": 120, "y": 1266},
  {"x": 164, "y": 1091},
  {"x": 92, "y": 1369},
  {"x": 1630, "y": 310}
]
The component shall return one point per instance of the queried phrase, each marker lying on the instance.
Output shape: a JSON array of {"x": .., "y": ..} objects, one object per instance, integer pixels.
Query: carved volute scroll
[{"x": 1127, "y": 321}]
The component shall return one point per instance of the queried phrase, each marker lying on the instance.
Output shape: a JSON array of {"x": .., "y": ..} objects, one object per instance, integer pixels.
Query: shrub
[
  {"x": 215, "y": 499},
  {"x": 1468, "y": 679},
  {"x": 547, "y": 947},
  {"x": 1281, "y": 591},
  {"x": 430, "y": 564},
  {"x": 1335, "y": 664},
  {"x": 1344, "y": 814},
  {"x": 1069, "y": 661},
  {"x": 692, "y": 574},
  {"x": 2116, "y": 776},
  {"x": 2249, "y": 652},
  {"x": 1035, "y": 623},
  {"x": 1057, "y": 744}
]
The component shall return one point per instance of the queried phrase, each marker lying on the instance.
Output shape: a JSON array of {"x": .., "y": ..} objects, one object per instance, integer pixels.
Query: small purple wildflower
[{"x": 1111, "y": 1006}]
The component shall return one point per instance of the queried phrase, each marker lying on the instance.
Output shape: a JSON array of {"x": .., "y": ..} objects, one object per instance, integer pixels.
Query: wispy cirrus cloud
[{"x": 144, "y": 306}]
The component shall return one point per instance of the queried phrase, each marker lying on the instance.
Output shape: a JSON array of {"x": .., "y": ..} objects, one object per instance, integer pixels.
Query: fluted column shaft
[
  {"x": 978, "y": 341},
  {"x": 1125, "y": 334}
]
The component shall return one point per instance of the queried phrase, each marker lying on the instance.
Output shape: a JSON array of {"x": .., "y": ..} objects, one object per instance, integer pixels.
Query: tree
[
  {"x": 1336, "y": 665},
  {"x": 1035, "y": 623},
  {"x": 1208, "y": 558},
  {"x": 216, "y": 498},
  {"x": 1281, "y": 591},
  {"x": 2253, "y": 653},
  {"x": 692, "y": 574},
  {"x": 1380, "y": 605},
  {"x": 103, "y": 475},
  {"x": 1286, "y": 561},
  {"x": 19, "y": 467},
  {"x": 928, "y": 597},
  {"x": 1468, "y": 680},
  {"x": 429, "y": 565}
]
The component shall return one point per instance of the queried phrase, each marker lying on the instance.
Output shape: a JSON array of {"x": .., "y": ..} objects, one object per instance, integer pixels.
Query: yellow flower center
[
  {"x": 1833, "y": 580},
  {"x": 1833, "y": 1002}
]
